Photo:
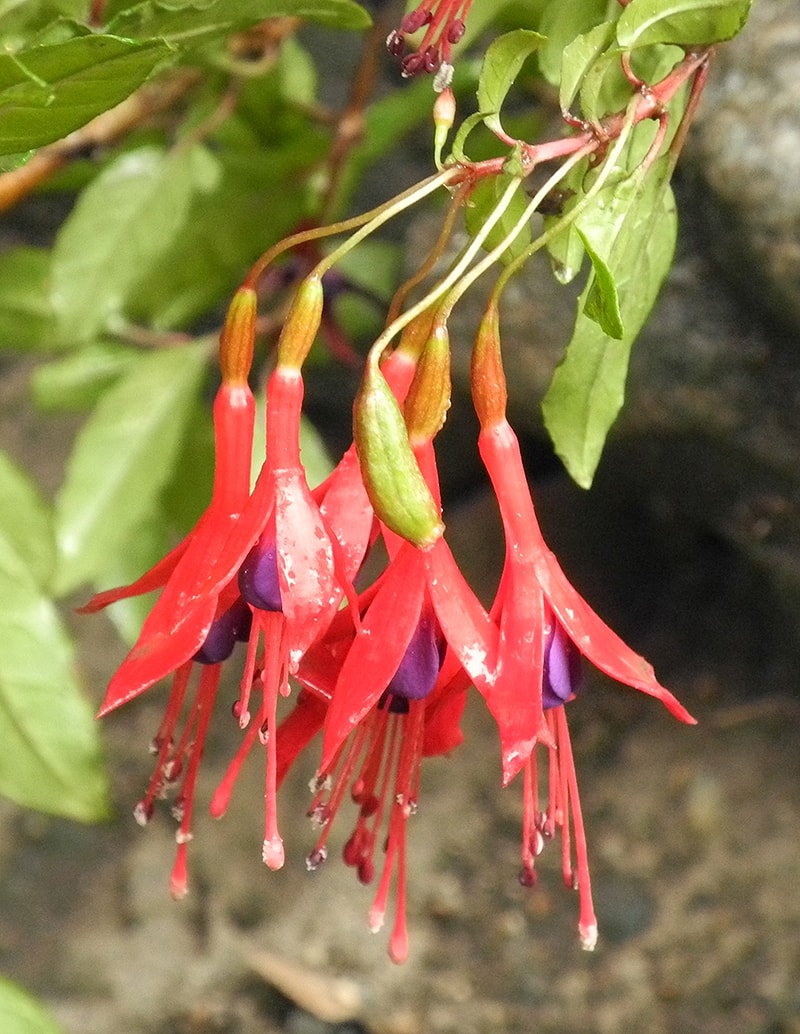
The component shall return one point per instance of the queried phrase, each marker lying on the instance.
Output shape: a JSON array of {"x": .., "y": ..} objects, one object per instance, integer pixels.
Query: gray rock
[{"x": 745, "y": 148}]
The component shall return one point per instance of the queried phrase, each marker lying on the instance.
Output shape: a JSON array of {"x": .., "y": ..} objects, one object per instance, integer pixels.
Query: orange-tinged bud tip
[
  {"x": 302, "y": 323},
  {"x": 444, "y": 110},
  {"x": 415, "y": 334},
  {"x": 489, "y": 395},
  {"x": 238, "y": 336},
  {"x": 395, "y": 485},
  {"x": 428, "y": 397}
]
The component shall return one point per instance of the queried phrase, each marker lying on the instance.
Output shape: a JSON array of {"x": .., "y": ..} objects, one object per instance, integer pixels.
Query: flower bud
[
  {"x": 428, "y": 397},
  {"x": 489, "y": 395},
  {"x": 394, "y": 482},
  {"x": 302, "y": 323},
  {"x": 237, "y": 337},
  {"x": 415, "y": 334},
  {"x": 444, "y": 112}
]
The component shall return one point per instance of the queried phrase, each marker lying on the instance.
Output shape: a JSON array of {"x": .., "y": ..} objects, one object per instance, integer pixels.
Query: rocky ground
[{"x": 687, "y": 546}]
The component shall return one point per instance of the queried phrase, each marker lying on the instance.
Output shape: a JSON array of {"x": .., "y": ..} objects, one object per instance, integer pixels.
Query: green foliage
[
  {"x": 27, "y": 320},
  {"x": 630, "y": 257},
  {"x": 47, "y": 91},
  {"x": 692, "y": 22},
  {"x": 97, "y": 260},
  {"x": 134, "y": 448},
  {"x": 50, "y": 758},
  {"x": 21, "y": 1014},
  {"x": 192, "y": 24},
  {"x": 501, "y": 66}
]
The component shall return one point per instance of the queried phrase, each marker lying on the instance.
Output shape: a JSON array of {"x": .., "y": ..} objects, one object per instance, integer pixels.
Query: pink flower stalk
[
  {"x": 543, "y": 621},
  {"x": 444, "y": 22}
]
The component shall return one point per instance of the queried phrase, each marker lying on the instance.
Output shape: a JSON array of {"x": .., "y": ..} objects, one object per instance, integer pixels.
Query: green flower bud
[
  {"x": 428, "y": 397},
  {"x": 237, "y": 337},
  {"x": 302, "y": 323},
  {"x": 394, "y": 482}
]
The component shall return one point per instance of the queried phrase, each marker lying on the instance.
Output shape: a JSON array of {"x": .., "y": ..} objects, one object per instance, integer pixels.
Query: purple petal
[
  {"x": 562, "y": 668},
  {"x": 258, "y": 576},
  {"x": 225, "y": 630},
  {"x": 419, "y": 668}
]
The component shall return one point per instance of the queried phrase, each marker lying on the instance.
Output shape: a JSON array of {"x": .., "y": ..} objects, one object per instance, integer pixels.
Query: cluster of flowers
[{"x": 381, "y": 671}]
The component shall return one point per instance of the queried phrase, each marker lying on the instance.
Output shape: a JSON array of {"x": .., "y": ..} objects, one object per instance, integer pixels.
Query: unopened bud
[
  {"x": 489, "y": 395},
  {"x": 444, "y": 110},
  {"x": 394, "y": 482},
  {"x": 302, "y": 323},
  {"x": 428, "y": 397},
  {"x": 238, "y": 336},
  {"x": 415, "y": 334}
]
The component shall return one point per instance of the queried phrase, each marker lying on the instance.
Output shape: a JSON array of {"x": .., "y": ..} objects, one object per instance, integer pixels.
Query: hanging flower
[
  {"x": 167, "y": 640},
  {"x": 545, "y": 625},
  {"x": 397, "y": 697}
]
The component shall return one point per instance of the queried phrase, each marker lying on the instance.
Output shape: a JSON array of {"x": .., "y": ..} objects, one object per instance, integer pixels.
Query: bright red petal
[
  {"x": 309, "y": 591},
  {"x": 603, "y": 647},
  {"x": 515, "y": 697},
  {"x": 377, "y": 650},
  {"x": 444, "y": 708},
  {"x": 159, "y": 652},
  {"x": 466, "y": 626},
  {"x": 348, "y": 511}
]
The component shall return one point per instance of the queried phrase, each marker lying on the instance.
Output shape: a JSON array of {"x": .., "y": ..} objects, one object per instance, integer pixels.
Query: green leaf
[
  {"x": 27, "y": 321},
  {"x": 122, "y": 458},
  {"x": 560, "y": 25},
  {"x": 26, "y": 520},
  {"x": 76, "y": 382},
  {"x": 188, "y": 491},
  {"x": 195, "y": 23},
  {"x": 482, "y": 202},
  {"x": 48, "y": 91},
  {"x": 588, "y": 386},
  {"x": 124, "y": 221},
  {"x": 257, "y": 199},
  {"x": 688, "y": 22},
  {"x": 51, "y": 757},
  {"x": 602, "y": 302},
  {"x": 504, "y": 58},
  {"x": 22, "y": 1014},
  {"x": 298, "y": 73},
  {"x": 601, "y": 229},
  {"x": 578, "y": 57},
  {"x": 147, "y": 544}
]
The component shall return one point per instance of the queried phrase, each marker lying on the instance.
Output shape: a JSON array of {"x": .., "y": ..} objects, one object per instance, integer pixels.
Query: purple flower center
[
  {"x": 562, "y": 668},
  {"x": 418, "y": 671},
  {"x": 258, "y": 576},
  {"x": 225, "y": 631}
]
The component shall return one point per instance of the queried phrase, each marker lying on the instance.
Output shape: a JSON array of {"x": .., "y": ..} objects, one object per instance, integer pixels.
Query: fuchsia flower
[
  {"x": 383, "y": 673},
  {"x": 262, "y": 568},
  {"x": 544, "y": 625}
]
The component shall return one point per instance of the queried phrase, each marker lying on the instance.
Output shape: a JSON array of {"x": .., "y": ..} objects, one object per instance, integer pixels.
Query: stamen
[
  {"x": 587, "y": 924},
  {"x": 272, "y": 852}
]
